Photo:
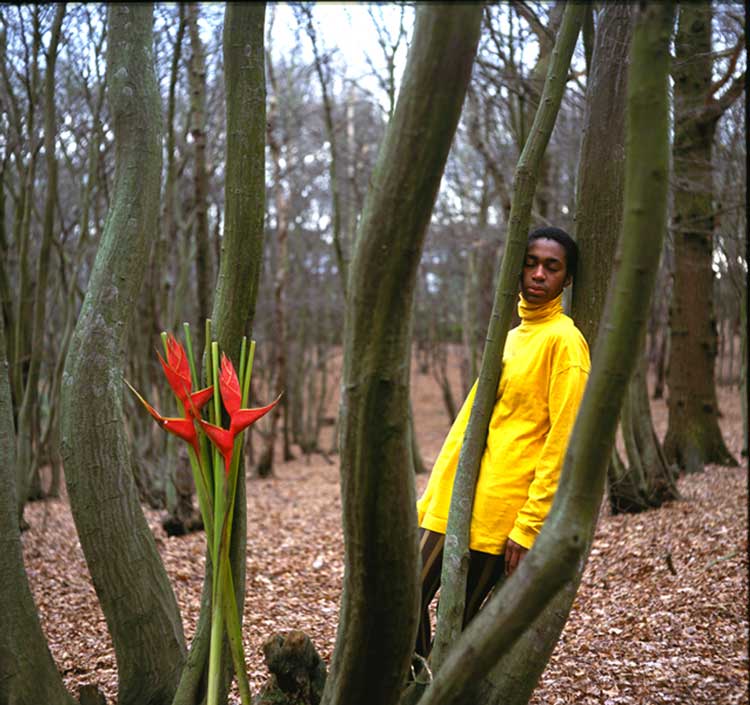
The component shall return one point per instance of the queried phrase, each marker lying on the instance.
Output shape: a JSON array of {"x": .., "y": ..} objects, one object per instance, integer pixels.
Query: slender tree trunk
[
  {"x": 28, "y": 674},
  {"x": 129, "y": 578},
  {"x": 456, "y": 557},
  {"x": 164, "y": 285},
  {"x": 378, "y": 617},
  {"x": 598, "y": 225},
  {"x": 24, "y": 309},
  {"x": 197, "y": 80},
  {"x": 239, "y": 269},
  {"x": 28, "y": 425},
  {"x": 560, "y": 550},
  {"x": 693, "y": 436},
  {"x": 281, "y": 206}
]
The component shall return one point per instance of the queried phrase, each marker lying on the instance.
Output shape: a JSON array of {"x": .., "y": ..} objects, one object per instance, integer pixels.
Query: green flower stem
[
  {"x": 243, "y": 354},
  {"x": 233, "y": 623},
  {"x": 214, "y": 658},
  {"x": 234, "y": 627},
  {"x": 199, "y": 465},
  {"x": 191, "y": 358},
  {"x": 248, "y": 373},
  {"x": 204, "y": 495},
  {"x": 246, "y": 368},
  {"x": 207, "y": 351},
  {"x": 217, "y": 616}
]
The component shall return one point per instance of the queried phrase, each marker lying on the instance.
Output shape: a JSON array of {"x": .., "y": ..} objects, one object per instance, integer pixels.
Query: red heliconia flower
[
  {"x": 182, "y": 427},
  {"x": 177, "y": 371},
  {"x": 240, "y": 419}
]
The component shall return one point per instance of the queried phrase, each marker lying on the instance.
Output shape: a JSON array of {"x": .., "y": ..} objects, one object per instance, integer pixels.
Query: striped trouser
[{"x": 485, "y": 570}]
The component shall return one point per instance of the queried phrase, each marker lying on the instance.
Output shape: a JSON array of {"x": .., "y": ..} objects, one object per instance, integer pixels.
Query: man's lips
[{"x": 535, "y": 290}]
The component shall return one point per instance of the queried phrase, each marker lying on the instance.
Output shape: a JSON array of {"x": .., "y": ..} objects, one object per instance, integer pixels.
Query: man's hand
[{"x": 513, "y": 555}]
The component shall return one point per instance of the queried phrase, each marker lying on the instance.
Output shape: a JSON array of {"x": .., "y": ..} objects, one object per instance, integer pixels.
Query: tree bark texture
[
  {"x": 128, "y": 575},
  {"x": 164, "y": 286},
  {"x": 456, "y": 552},
  {"x": 693, "y": 435},
  {"x": 601, "y": 168},
  {"x": 276, "y": 138},
  {"x": 28, "y": 674},
  {"x": 197, "y": 81},
  {"x": 647, "y": 479},
  {"x": 239, "y": 272},
  {"x": 560, "y": 549},
  {"x": 242, "y": 242},
  {"x": 378, "y": 616}
]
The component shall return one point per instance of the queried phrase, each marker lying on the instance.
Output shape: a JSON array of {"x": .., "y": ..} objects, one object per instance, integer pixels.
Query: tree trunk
[
  {"x": 139, "y": 604},
  {"x": 342, "y": 259},
  {"x": 418, "y": 465},
  {"x": 648, "y": 480},
  {"x": 197, "y": 81},
  {"x": 28, "y": 674},
  {"x": 598, "y": 225},
  {"x": 560, "y": 550},
  {"x": 743, "y": 373},
  {"x": 28, "y": 421},
  {"x": 693, "y": 436},
  {"x": 164, "y": 285},
  {"x": 456, "y": 557},
  {"x": 239, "y": 269},
  {"x": 277, "y": 132},
  {"x": 598, "y": 218},
  {"x": 598, "y": 221},
  {"x": 24, "y": 313},
  {"x": 378, "y": 617}
]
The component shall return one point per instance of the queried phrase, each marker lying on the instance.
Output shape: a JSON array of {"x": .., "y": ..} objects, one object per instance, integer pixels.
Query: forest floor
[{"x": 640, "y": 632}]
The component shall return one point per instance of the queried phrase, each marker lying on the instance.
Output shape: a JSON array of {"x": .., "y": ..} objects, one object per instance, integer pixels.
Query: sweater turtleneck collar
[{"x": 538, "y": 313}]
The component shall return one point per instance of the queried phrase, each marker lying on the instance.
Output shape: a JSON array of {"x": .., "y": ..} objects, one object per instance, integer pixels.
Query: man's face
[{"x": 544, "y": 273}]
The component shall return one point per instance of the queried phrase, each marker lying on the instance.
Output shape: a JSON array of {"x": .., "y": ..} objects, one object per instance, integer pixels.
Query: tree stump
[
  {"x": 91, "y": 695},
  {"x": 298, "y": 674}
]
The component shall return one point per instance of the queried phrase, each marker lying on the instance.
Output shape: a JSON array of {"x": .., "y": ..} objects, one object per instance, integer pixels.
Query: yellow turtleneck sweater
[{"x": 545, "y": 369}]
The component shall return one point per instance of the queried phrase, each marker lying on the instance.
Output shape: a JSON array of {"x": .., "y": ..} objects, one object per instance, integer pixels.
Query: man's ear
[{"x": 568, "y": 280}]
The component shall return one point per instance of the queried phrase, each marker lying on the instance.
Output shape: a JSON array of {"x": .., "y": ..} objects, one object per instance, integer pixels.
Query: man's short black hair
[{"x": 567, "y": 242}]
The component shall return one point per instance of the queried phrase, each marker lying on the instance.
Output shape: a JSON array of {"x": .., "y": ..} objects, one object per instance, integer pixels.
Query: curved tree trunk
[
  {"x": 456, "y": 557},
  {"x": 598, "y": 224},
  {"x": 28, "y": 674},
  {"x": 378, "y": 617},
  {"x": 560, "y": 550},
  {"x": 693, "y": 436},
  {"x": 130, "y": 580},
  {"x": 239, "y": 270}
]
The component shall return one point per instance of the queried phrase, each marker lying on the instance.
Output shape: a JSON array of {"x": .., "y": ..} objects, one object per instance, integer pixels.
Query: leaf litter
[{"x": 661, "y": 615}]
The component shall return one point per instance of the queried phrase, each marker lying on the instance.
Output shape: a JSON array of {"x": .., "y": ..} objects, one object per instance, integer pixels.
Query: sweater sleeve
[{"x": 565, "y": 393}]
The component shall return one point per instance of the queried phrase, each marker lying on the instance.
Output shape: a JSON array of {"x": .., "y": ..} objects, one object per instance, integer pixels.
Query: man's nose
[{"x": 538, "y": 272}]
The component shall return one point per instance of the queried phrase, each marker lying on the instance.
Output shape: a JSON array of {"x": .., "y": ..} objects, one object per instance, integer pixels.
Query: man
[{"x": 545, "y": 369}]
